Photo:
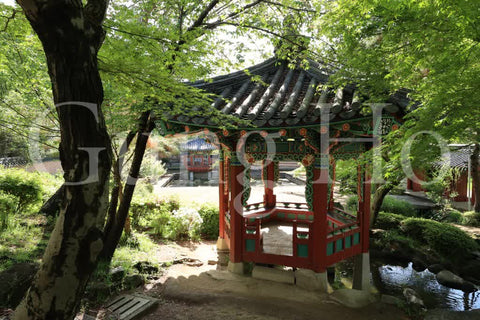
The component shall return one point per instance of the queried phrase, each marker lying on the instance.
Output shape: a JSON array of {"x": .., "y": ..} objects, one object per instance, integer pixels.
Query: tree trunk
[
  {"x": 378, "y": 197},
  {"x": 52, "y": 206},
  {"x": 116, "y": 194},
  {"x": 113, "y": 230},
  {"x": 71, "y": 36},
  {"x": 476, "y": 175}
]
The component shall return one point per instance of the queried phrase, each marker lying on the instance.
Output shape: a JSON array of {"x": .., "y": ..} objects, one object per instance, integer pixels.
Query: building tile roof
[
  {"x": 284, "y": 97},
  {"x": 197, "y": 144}
]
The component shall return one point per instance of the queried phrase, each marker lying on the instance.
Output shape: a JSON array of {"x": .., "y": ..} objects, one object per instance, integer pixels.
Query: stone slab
[
  {"x": 272, "y": 274},
  {"x": 313, "y": 281}
]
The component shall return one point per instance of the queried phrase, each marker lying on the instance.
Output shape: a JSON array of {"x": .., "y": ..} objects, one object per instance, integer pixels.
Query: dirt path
[
  {"x": 205, "y": 293},
  {"x": 474, "y": 232}
]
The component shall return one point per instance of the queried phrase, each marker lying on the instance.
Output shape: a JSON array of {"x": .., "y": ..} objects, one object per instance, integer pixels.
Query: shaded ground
[{"x": 205, "y": 293}]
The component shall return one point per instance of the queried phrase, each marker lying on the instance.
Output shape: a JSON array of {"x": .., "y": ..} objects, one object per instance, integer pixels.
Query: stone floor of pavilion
[{"x": 277, "y": 238}]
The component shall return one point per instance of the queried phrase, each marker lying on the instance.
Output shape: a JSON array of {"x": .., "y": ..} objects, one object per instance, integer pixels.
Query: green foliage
[
  {"x": 142, "y": 249},
  {"x": 144, "y": 212},
  {"x": 167, "y": 219},
  {"x": 129, "y": 240},
  {"x": 346, "y": 174},
  {"x": 389, "y": 221},
  {"x": 352, "y": 204},
  {"x": 445, "y": 215},
  {"x": 152, "y": 168},
  {"x": 453, "y": 216},
  {"x": 209, "y": 228},
  {"x": 471, "y": 218},
  {"x": 429, "y": 47},
  {"x": 7, "y": 208},
  {"x": 24, "y": 186},
  {"x": 392, "y": 205},
  {"x": 25, "y": 88},
  {"x": 440, "y": 237},
  {"x": 184, "y": 224},
  {"x": 300, "y": 171},
  {"x": 24, "y": 240}
]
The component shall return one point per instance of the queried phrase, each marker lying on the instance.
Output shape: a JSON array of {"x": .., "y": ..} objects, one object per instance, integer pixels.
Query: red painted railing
[{"x": 343, "y": 237}]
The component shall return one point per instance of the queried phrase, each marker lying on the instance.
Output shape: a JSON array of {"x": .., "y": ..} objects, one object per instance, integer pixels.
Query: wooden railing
[{"x": 343, "y": 235}]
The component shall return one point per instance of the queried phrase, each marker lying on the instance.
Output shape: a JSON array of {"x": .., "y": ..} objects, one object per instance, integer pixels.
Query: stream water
[{"x": 392, "y": 280}]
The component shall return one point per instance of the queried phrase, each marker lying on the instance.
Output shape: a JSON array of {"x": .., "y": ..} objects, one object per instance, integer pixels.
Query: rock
[
  {"x": 98, "y": 291},
  {"x": 412, "y": 297},
  {"x": 442, "y": 314},
  {"x": 223, "y": 257},
  {"x": 14, "y": 283},
  {"x": 418, "y": 265},
  {"x": 388, "y": 299},
  {"x": 273, "y": 274},
  {"x": 476, "y": 255},
  {"x": 117, "y": 274},
  {"x": 376, "y": 233},
  {"x": 193, "y": 262},
  {"x": 352, "y": 298},
  {"x": 145, "y": 267},
  {"x": 133, "y": 281},
  {"x": 435, "y": 268},
  {"x": 451, "y": 280},
  {"x": 310, "y": 280},
  {"x": 471, "y": 270}
]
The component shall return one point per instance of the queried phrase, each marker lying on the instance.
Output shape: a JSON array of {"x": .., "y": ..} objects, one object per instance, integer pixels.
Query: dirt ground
[{"x": 208, "y": 292}]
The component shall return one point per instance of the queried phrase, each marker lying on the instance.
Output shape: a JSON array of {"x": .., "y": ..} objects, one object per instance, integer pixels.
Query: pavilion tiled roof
[
  {"x": 284, "y": 97},
  {"x": 197, "y": 144},
  {"x": 458, "y": 158}
]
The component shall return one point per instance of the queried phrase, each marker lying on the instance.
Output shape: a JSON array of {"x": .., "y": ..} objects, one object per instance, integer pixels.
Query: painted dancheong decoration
[
  {"x": 293, "y": 110},
  {"x": 198, "y": 157}
]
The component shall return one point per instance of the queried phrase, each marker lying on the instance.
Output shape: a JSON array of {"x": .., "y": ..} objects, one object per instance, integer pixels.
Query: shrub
[
  {"x": 471, "y": 218},
  {"x": 453, "y": 216},
  {"x": 184, "y": 223},
  {"x": 7, "y": 207},
  {"x": 447, "y": 240},
  {"x": 346, "y": 174},
  {"x": 393, "y": 205},
  {"x": 352, "y": 204},
  {"x": 389, "y": 221},
  {"x": 24, "y": 186},
  {"x": 151, "y": 168},
  {"x": 209, "y": 227},
  {"x": 147, "y": 214}
]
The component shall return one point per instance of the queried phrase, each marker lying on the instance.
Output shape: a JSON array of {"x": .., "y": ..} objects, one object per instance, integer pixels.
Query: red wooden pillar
[
  {"x": 364, "y": 195},
  {"x": 236, "y": 211},
  {"x": 269, "y": 198},
  {"x": 319, "y": 225},
  {"x": 221, "y": 196},
  {"x": 331, "y": 203}
]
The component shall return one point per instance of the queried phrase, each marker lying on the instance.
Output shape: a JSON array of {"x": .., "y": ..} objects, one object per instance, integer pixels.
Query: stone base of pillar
[
  {"x": 222, "y": 244},
  {"x": 236, "y": 267},
  {"x": 361, "y": 272},
  {"x": 313, "y": 281}
]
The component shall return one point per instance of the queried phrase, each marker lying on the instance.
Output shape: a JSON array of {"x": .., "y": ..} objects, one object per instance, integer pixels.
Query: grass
[
  {"x": 125, "y": 255},
  {"x": 23, "y": 240}
]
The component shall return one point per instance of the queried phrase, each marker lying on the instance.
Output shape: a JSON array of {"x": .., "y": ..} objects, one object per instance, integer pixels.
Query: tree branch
[
  {"x": 278, "y": 4},
  {"x": 203, "y": 15},
  {"x": 14, "y": 12},
  {"x": 232, "y": 15}
]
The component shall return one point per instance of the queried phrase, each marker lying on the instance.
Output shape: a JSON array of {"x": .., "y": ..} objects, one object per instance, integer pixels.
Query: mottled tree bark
[{"x": 71, "y": 36}]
